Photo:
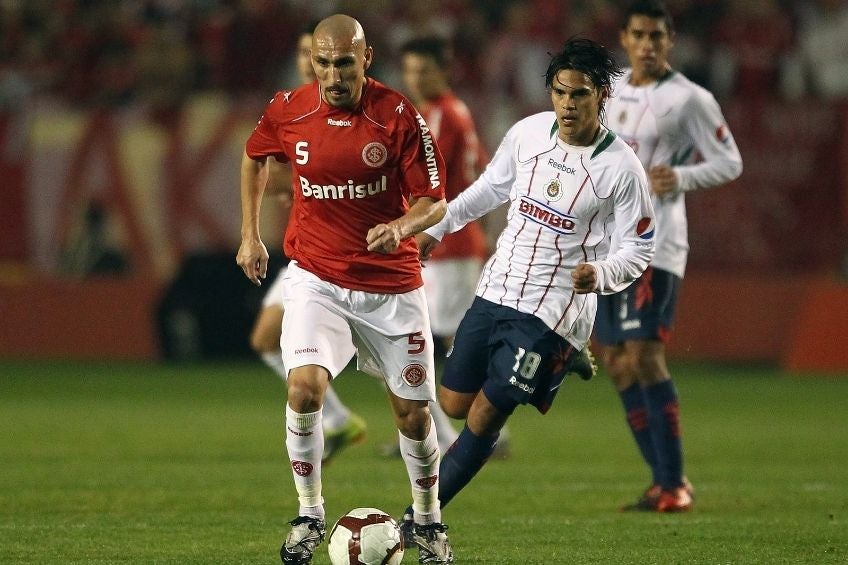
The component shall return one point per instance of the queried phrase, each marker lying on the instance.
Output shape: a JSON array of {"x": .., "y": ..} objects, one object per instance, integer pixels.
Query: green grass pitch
[{"x": 147, "y": 463}]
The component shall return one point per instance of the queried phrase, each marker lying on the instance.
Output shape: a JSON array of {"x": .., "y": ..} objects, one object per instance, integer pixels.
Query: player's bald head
[
  {"x": 338, "y": 30},
  {"x": 340, "y": 58}
]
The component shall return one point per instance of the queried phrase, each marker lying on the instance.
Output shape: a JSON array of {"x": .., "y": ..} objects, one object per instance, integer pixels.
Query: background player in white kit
[
  {"x": 370, "y": 177},
  {"x": 679, "y": 134},
  {"x": 571, "y": 184},
  {"x": 341, "y": 426}
]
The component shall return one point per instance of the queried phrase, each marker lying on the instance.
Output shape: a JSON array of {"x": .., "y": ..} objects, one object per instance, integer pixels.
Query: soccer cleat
[
  {"x": 306, "y": 533},
  {"x": 433, "y": 544},
  {"x": 650, "y": 499},
  {"x": 675, "y": 500},
  {"x": 583, "y": 364},
  {"x": 351, "y": 433},
  {"x": 407, "y": 528}
]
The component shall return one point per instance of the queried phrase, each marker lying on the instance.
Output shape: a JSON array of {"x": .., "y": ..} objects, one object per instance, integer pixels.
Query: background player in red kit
[
  {"x": 368, "y": 176},
  {"x": 450, "y": 279}
]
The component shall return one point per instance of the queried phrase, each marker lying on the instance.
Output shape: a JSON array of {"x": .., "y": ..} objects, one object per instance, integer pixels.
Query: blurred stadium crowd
[
  {"x": 121, "y": 122},
  {"x": 111, "y": 52}
]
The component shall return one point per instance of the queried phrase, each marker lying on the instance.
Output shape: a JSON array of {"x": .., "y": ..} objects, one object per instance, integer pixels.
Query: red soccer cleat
[{"x": 674, "y": 500}]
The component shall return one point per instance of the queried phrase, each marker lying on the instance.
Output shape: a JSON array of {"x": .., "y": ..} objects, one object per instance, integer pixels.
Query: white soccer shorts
[
  {"x": 450, "y": 285},
  {"x": 326, "y": 325},
  {"x": 274, "y": 294}
]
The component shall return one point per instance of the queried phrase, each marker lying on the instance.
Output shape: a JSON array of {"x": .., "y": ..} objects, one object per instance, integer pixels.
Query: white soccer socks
[
  {"x": 305, "y": 445},
  {"x": 422, "y": 466}
]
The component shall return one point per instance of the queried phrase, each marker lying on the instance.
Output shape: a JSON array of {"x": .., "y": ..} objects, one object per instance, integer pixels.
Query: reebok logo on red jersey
[
  {"x": 343, "y": 123},
  {"x": 349, "y": 191}
]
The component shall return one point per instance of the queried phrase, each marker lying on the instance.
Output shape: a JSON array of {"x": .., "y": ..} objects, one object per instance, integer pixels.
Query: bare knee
[
  {"x": 648, "y": 360},
  {"x": 455, "y": 404},
  {"x": 484, "y": 419},
  {"x": 306, "y": 386},
  {"x": 265, "y": 337},
  {"x": 620, "y": 366},
  {"x": 412, "y": 417}
]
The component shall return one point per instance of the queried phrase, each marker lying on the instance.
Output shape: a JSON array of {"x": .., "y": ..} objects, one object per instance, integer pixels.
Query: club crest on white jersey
[{"x": 553, "y": 190}]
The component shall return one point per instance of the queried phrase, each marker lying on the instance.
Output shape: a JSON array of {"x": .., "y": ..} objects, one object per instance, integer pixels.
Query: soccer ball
[{"x": 365, "y": 536}]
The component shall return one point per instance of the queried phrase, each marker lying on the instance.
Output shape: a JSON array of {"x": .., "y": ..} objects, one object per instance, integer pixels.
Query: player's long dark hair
[{"x": 587, "y": 57}]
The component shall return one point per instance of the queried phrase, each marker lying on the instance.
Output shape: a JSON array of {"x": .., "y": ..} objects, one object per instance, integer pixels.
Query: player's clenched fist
[
  {"x": 585, "y": 278},
  {"x": 663, "y": 180},
  {"x": 252, "y": 257},
  {"x": 426, "y": 244},
  {"x": 383, "y": 238}
]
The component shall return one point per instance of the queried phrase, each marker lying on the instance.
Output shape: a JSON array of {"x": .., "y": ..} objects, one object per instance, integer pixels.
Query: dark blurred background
[{"x": 122, "y": 124}]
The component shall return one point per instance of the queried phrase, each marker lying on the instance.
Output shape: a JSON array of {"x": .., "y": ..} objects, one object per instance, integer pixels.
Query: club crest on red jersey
[
  {"x": 414, "y": 374},
  {"x": 645, "y": 228},
  {"x": 375, "y": 154}
]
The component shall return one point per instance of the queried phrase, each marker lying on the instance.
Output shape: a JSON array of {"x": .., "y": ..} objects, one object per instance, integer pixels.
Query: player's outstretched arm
[
  {"x": 252, "y": 255},
  {"x": 424, "y": 212}
]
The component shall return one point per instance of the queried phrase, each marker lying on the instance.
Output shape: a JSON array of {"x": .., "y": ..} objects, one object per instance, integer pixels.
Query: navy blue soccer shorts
[
  {"x": 513, "y": 357},
  {"x": 644, "y": 311}
]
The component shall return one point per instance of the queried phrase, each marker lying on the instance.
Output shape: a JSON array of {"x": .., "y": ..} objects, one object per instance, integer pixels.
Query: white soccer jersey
[
  {"x": 564, "y": 203},
  {"x": 677, "y": 123}
]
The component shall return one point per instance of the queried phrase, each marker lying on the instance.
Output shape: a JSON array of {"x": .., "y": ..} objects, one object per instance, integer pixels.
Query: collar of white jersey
[{"x": 603, "y": 139}]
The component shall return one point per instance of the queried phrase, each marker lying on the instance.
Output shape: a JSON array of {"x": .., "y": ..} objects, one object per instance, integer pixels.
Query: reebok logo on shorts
[{"x": 306, "y": 350}]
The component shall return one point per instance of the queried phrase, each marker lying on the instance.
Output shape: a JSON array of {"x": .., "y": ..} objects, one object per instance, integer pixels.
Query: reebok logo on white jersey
[
  {"x": 342, "y": 123},
  {"x": 562, "y": 167}
]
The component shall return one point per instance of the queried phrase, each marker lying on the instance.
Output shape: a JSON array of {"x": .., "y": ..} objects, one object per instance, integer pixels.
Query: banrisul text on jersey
[{"x": 338, "y": 191}]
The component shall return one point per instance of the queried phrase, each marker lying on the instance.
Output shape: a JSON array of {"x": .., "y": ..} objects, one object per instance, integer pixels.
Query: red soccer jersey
[
  {"x": 351, "y": 170},
  {"x": 451, "y": 123}
]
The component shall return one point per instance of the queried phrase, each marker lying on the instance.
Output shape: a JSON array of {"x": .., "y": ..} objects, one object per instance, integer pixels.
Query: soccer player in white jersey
[
  {"x": 679, "y": 134},
  {"x": 571, "y": 185},
  {"x": 341, "y": 426}
]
